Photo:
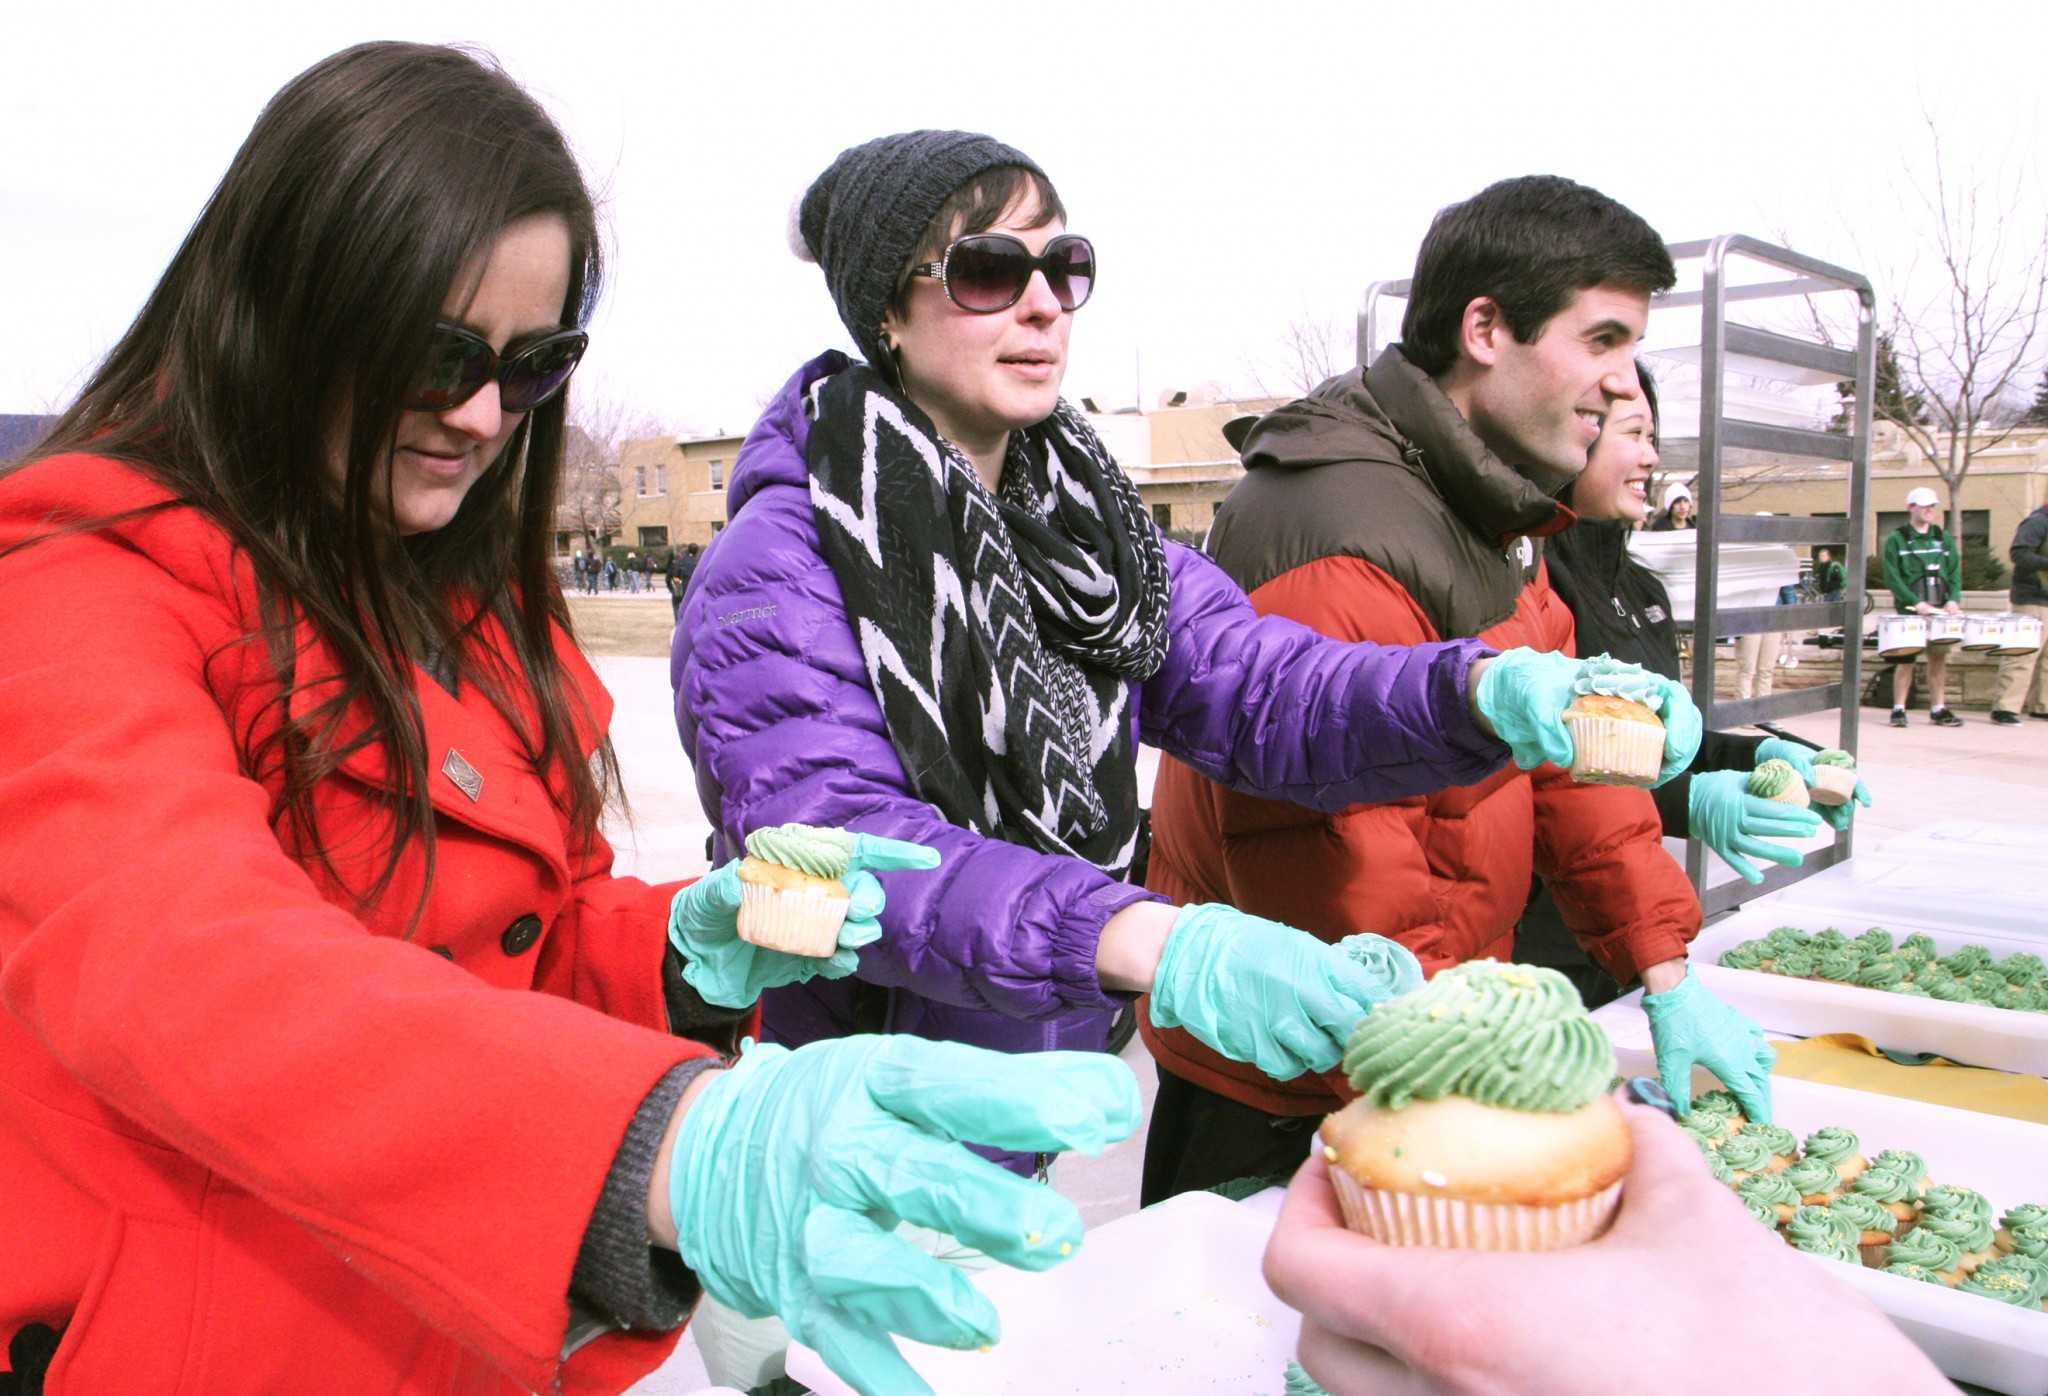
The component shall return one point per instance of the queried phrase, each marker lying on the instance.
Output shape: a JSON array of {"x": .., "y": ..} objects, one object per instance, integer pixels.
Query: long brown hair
[{"x": 287, "y": 328}]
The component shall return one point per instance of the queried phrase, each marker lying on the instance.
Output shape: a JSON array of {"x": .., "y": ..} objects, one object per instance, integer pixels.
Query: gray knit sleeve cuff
[{"x": 617, "y": 1273}]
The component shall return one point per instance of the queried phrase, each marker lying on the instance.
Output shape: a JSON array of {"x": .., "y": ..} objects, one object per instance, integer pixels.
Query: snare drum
[
  {"x": 1901, "y": 636},
  {"x": 2022, "y": 635},
  {"x": 1983, "y": 632},
  {"x": 1945, "y": 629}
]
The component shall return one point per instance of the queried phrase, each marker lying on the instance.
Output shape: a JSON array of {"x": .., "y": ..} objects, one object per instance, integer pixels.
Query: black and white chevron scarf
[{"x": 1000, "y": 633}]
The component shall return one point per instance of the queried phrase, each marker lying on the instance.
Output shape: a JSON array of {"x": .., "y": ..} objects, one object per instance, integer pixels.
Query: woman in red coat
[{"x": 332, "y": 1057}]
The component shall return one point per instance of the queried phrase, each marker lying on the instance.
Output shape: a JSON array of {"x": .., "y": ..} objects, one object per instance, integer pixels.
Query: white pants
[{"x": 1756, "y": 663}]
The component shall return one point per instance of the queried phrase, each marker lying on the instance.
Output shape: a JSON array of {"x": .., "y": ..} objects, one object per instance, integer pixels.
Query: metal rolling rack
[{"x": 1721, "y": 342}]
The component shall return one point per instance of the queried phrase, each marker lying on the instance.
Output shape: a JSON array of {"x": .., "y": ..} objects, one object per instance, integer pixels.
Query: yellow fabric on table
[{"x": 1852, "y": 1060}]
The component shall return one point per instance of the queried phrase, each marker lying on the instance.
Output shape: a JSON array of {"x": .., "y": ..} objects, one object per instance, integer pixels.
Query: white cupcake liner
[
  {"x": 801, "y": 922},
  {"x": 1414, "y": 1219},
  {"x": 1615, "y": 751},
  {"x": 1832, "y": 785}
]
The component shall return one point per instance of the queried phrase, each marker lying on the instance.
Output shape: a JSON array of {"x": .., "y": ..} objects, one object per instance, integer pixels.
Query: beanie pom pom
[{"x": 797, "y": 242}]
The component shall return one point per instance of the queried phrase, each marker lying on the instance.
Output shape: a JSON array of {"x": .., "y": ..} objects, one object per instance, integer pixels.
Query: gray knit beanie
[{"x": 862, "y": 219}]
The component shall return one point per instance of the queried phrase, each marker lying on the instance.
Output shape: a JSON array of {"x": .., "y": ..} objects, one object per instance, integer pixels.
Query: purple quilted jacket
[{"x": 997, "y": 946}]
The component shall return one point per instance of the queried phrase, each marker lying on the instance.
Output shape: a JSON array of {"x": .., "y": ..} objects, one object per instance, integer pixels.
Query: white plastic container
[
  {"x": 2004, "y": 1038},
  {"x": 1970, "y": 1338}
]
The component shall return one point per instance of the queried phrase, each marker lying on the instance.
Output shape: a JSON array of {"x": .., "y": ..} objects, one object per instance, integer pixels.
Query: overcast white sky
[{"x": 1238, "y": 166}]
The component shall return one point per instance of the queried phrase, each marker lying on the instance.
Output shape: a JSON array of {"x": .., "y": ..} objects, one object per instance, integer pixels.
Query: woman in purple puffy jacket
[{"x": 940, "y": 613}]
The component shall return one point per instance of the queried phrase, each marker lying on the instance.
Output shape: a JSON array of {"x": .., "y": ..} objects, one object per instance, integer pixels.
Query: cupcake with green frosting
[
  {"x": 1921, "y": 944},
  {"x": 1890, "y": 1185},
  {"x": 1750, "y": 954},
  {"x": 1798, "y": 962},
  {"x": 1763, "y": 1211},
  {"x": 1840, "y": 966},
  {"x": 1839, "y": 1148},
  {"x": 1970, "y": 1231},
  {"x": 1782, "y": 1143},
  {"x": 1814, "y": 1179},
  {"x": 1834, "y": 777},
  {"x": 1770, "y": 1190},
  {"x": 1967, "y": 961},
  {"x": 791, "y": 895},
  {"x": 1820, "y": 1231},
  {"x": 1874, "y": 942},
  {"x": 2023, "y": 968},
  {"x": 1483, "y": 1120},
  {"x": 1919, "y": 1246},
  {"x": 1778, "y": 780},
  {"x": 1907, "y": 1270},
  {"x": 2010, "y": 1279},
  {"x": 1874, "y": 1222}
]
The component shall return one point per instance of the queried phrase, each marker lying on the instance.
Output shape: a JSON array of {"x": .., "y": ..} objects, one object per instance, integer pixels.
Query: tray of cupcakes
[
  {"x": 1915, "y": 985},
  {"x": 1939, "y": 1216}
]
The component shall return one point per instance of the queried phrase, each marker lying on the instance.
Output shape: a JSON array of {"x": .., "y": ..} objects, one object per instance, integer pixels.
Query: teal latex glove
[
  {"x": 791, "y": 1169},
  {"x": 1794, "y": 754},
  {"x": 1690, "y": 1027},
  {"x": 1523, "y": 694},
  {"x": 703, "y": 924},
  {"x": 1268, "y": 994},
  {"x": 1740, "y": 826}
]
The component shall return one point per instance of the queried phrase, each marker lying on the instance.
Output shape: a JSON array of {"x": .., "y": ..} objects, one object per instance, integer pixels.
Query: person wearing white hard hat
[{"x": 1924, "y": 569}]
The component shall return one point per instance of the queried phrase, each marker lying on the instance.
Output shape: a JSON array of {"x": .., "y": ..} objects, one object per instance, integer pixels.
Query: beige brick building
[{"x": 673, "y": 492}]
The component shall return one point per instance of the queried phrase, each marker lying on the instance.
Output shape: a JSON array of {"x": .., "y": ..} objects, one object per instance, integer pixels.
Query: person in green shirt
[
  {"x": 1830, "y": 578},
  {"x": 1924, "y": 569}
]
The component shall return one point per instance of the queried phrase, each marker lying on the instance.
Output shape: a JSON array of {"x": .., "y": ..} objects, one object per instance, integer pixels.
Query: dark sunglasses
[
  {"x": 989, "y": 271},
  {"x": 460, "y": 362}
]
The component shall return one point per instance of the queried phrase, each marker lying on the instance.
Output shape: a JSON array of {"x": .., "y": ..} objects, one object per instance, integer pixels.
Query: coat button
[
  {"x": 443, "y": 951},
  {"x": 520, "y": 935}
]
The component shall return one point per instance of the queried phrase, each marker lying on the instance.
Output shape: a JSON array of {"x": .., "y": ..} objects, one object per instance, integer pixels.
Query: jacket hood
[
  {"x": 1395, "y": 398},
  {"x": 774, "y": 452}
]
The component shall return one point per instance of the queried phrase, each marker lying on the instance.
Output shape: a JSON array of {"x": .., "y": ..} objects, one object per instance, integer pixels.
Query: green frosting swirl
[
  {"x": 1749, "y": 955},
  {"x": 1833, "y": 1145},
  {"x": 1951, "y": 1199},
  {"x": 2027, "y": 1214},
  {"x": 1969, "y": 1231},
  {"x": 1773, "y": 778},
  {"x": 1716, "y": 1165},
  {"x": 1511, "y": 1036},
  {"x": 1875, "y": 941},
  {"x": 1905, "y": 1162},
  {"x": 1818, "y": 1231},
  {"x": 2010, "y": 1279},
  {"x": 2023, "y": 968},
  {"x": 1950, "y": 990},
  {"x": 1813, "y": 1177},
  {"x": 1967, "y": 961},
  {"x": 1745, "y": 1153},
  {"x": 1909, "y": 959},
  {"x": 1786, "y": 937},
  {"x": 1886, "y": 1184},
  {"x": 1389, "y": 968},
  {"x": 1906, "y": 987},
  {"x": 1614, "y": 678},
  {"x": 1865, "y": 1214},
  {"x": 1841, "y": 966},
  {"x": 1921, "y": 944},
  {"x": 804, "y": 848},
  {"x": 1834, "y": 756},
  {"x": 1797, "y": 963},
  {"x": 2030, "y": 1241},
  {"x": 1987, "y": 985},
  {"x": 1707, "y": 1128},
  {"x": 1907, "y": 1270},
  {"x": 1762, "y": 1211},
  {"x": 1829, "y": 939},
  {"x": 1782, "y": 1142},
  {"x": 1299, "y": 1383},
  {"x": 1920, "y": 1246},
  {"x": 1768, "y": 1188},
  {"x": 1719, "y": 1102}
]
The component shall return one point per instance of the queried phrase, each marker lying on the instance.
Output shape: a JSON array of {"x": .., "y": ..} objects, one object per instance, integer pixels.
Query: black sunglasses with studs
[
  {"x": 460, "y": 362},
  {"x": 988, "y": 272}
]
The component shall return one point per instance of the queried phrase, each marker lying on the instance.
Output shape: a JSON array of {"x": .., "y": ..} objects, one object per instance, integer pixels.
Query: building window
[
  {"x": 717, "y": 527},
  {"x": 1162, "y": 514},
  {"x": 653, "y": 537},
  {"x": 640, "y": 479},
  {"x": 661, "y": 477},
  {"x": 718, "y": 475}
]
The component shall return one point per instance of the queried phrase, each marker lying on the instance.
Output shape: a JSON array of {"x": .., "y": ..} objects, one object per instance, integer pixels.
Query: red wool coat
[{"x": 254, "y": 1140}]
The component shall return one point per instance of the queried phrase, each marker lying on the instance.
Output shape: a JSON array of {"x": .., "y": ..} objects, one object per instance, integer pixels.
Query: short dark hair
[
  {"x": 1644, "y": 377},
  {"x": 975, "y": 207},
  {"x": 1529, "y": 244}
]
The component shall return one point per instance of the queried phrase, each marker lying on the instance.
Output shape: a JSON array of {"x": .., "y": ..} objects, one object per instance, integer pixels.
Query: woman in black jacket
[{"x": 1620, "y": 607}]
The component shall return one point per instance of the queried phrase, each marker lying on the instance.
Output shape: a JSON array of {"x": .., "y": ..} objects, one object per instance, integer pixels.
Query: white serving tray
[
  {"x": 2001, "y": 1038},
  {"x": 1169, "y": 1299},
  {"x": 1970, "y": 1338},
  {"x": 1969, "y": 881}
]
